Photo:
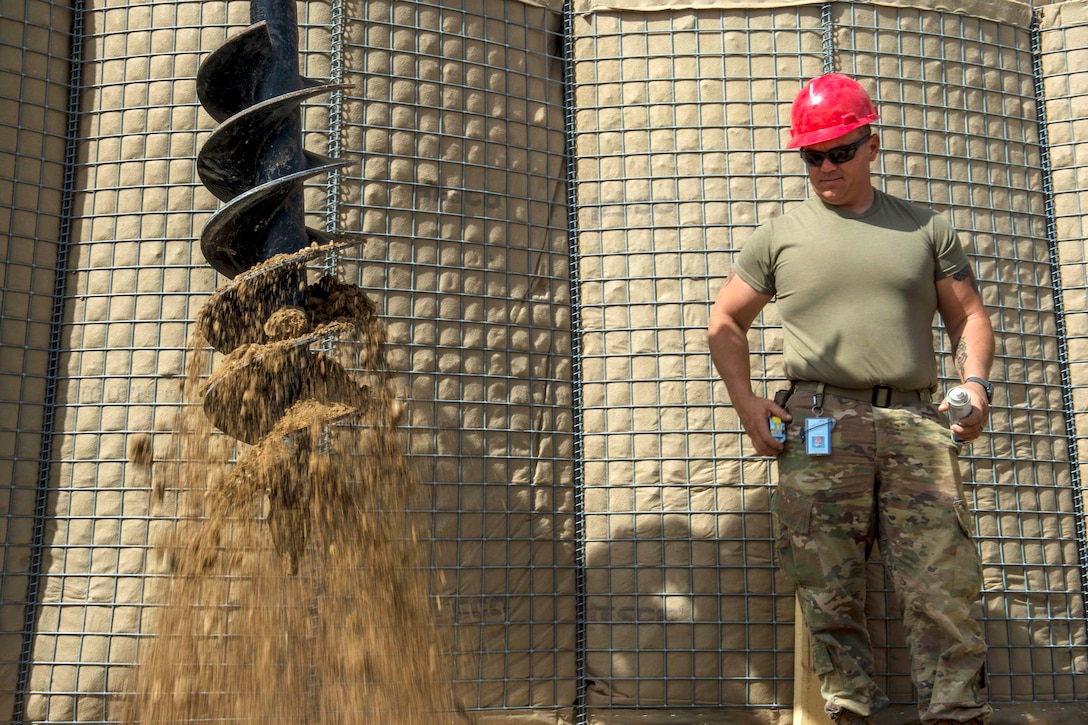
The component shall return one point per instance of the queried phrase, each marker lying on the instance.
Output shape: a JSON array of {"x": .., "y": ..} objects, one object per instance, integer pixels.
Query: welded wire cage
[{"x": 551, "y": 197}]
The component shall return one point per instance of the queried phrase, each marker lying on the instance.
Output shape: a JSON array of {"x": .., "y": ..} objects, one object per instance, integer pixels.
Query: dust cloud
[{"x": 293, "y": 587}]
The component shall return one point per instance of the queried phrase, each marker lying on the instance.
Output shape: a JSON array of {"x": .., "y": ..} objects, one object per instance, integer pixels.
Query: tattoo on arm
[
  {"x": 965, "y": 274},
  {"x": 968, "y": 275},
  {"x": 961, "y": 358}
]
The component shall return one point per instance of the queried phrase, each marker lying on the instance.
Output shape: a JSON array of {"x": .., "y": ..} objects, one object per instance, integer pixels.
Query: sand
[{"x": 295, "y": 589}]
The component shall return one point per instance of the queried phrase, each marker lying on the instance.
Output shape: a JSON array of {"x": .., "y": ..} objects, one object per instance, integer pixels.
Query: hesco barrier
[{"x": 551, "y": 197}]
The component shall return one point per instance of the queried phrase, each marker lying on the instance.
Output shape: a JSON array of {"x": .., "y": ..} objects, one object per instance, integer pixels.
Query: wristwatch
[{"x": 986, "y": 385}]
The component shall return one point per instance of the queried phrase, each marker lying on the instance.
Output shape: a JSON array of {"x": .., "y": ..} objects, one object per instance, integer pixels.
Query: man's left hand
[{"x": 971, "y": 426}]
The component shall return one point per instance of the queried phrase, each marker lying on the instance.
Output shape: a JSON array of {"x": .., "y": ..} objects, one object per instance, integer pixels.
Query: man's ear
[{"x": 874, "y": 146}]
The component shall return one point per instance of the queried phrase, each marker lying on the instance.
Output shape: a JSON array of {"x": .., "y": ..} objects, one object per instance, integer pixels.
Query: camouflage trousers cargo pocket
[
  {"x": 810, "y": 550},
  {"x": 792, "y": 522},
  {"x": 792, "y": 511},
  {"x": 804, "y": 562}
]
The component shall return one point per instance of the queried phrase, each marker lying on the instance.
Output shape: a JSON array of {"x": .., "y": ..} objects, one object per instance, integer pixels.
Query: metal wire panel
[
  {"x": 456, "y": 112},
  {"x": 664, "y": 179},
  {"x": 1063, "y": 39},
  {"x": 959, "y": 131},
  {"x": 623, "y": 574},
  {"x": 36, "y": 149},
  {"x": 128, "y": 287},
  {"x": 679, "y": 120}
]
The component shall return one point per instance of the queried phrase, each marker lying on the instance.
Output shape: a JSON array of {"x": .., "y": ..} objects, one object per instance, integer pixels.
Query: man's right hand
[{"x": 755, "y": 416}]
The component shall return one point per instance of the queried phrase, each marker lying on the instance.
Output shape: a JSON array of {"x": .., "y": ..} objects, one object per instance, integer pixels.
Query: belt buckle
[{"x": 882, "y": 396}]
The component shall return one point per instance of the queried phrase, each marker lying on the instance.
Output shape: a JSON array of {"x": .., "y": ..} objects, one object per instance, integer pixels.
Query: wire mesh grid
[
  {"x": 956, "y": 135},
  {"x": 121, "y": 341},
  {"x": 455, "y": 114},
  {"x": 456, "y": 111},
  {"x": 964, "y": 138},
  {"x": 1063, "y": 35},
  {"x": 130, "y": 283},
  {"x": 684, "y": 609},
  {"x": 37, "y": 152}
]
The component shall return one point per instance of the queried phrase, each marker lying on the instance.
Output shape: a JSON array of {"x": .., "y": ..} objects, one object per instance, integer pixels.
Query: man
[{"x": 858, "y": 276}]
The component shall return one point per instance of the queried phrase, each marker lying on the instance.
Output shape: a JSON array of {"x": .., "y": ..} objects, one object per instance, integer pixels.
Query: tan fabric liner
[{"x": 1002, "y": 11}]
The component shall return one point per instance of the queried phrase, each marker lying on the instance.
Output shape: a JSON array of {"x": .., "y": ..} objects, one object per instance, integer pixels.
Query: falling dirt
[{"x": 293, "y": 588}]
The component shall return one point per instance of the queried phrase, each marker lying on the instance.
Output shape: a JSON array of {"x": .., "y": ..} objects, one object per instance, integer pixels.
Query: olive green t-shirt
[{"x": 856, "y": 292}]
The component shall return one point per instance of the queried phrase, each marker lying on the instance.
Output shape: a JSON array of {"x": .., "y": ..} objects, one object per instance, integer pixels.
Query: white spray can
[{"x": 959, "y": 406}]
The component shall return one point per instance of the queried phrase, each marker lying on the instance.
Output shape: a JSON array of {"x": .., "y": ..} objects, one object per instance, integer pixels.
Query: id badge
[{"x": 818, "y": 436}]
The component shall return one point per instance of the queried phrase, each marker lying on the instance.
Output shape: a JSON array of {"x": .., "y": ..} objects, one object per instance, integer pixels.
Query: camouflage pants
[{"x": 893, "y": 479}]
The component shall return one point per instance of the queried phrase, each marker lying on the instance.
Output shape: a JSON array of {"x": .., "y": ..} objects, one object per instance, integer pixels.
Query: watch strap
[{"x": 986, "y": 385}]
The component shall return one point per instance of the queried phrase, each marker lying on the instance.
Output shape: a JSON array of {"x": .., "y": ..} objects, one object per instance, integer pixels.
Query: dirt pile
[{"x": 293, "y": 588}]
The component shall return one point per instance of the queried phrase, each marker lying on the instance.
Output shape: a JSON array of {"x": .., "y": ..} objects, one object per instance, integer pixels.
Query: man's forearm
[
  {"x": 974, "y": 347},
  {"x": 727, "y": 337},
  {"x": 731, "y": 355}
]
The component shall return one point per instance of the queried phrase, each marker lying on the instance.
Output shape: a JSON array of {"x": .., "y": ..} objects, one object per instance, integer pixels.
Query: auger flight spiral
[{"x": 272, "y": 385}]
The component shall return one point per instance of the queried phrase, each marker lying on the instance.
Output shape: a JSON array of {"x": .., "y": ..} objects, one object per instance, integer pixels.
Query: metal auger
[
  {"x": 263, "y": 319},
  {"x": 255, "y": 160}
]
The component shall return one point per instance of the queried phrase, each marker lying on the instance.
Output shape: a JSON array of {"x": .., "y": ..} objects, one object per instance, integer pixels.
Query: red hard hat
[{"x": 828, "y": 107}]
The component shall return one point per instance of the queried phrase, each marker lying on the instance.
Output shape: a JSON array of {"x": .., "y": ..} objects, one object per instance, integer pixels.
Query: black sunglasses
[{"x": 838, "y": 155}]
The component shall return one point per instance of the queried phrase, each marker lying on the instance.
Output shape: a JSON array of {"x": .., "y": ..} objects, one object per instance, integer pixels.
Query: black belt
[{"x": 881, "y": 396}]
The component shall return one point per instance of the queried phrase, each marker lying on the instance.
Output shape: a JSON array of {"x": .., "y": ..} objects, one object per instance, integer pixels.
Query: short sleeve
[
  {"x": 948, "y": 251},
  {"x": 753, "y": 263}
]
